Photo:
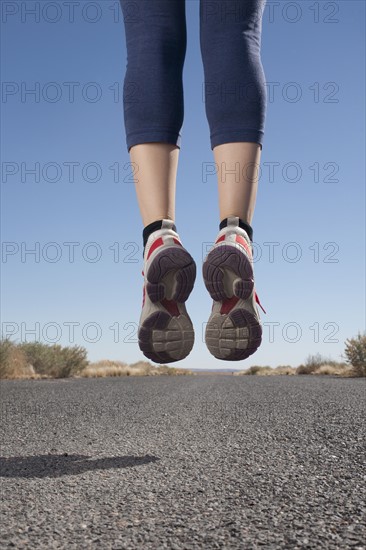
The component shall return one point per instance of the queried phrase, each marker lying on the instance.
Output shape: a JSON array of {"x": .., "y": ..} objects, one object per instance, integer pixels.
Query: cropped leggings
[{"x": 234, "y": 82}]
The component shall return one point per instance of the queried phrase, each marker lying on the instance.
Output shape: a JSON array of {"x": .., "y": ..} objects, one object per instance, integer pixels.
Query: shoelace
[
  {"x": 143, "y": 289},
  {"x": 258, "y": 302}
]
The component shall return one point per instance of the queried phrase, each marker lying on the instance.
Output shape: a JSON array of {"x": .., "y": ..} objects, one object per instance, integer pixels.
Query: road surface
[{"x": 183, "y": 462}]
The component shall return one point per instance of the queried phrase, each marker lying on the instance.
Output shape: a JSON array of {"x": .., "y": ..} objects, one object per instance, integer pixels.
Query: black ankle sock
[
  {"x": 244, "y": 225},
  {"x": 153, "y": 226}
]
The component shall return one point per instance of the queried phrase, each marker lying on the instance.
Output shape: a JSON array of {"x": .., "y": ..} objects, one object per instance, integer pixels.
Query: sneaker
[
  {"x": 233, "y": 331},
  {"x": 165, "y": 331}
]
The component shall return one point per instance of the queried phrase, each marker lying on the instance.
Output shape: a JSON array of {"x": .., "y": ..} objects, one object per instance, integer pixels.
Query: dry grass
[
  {"x": 165, "y": 369},
  {"x": 316, "y": 364},
  {"x": 14, "y": 365},
  {"x": 105, "y": 367},
  {"x": 285, "y": 369},
  {"x": 268, "y": 371},
  {"x": 335, "y": 370},
  {"x": 332, "y": 369},
  {"x": 265, "y": 371}
]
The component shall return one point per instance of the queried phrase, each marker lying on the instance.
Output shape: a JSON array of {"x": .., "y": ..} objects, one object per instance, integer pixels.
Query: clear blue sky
[{"x": 310, "y": 204}]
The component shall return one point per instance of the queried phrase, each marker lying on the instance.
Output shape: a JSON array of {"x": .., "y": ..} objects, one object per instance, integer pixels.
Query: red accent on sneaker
[
  {"x": 222, "y": 238},
  {"x": 243, "y": 242},
  {"x": 158, "y": 242},
  {"x": 227, "y": 305},
  {"x": 176, "y": 241},
  {"x": 258, "y": 302},
  {"x": 171, "y": 306}
]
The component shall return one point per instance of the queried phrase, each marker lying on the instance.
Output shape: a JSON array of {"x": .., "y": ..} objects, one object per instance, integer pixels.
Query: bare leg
[
  {"x": 238, "y": 169},
  {"x": 155, "y": 179},
  {"x": 165, "y": 332}
]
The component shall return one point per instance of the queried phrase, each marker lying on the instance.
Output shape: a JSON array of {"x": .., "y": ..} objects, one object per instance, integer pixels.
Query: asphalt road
[{"x": 183, "y": 462}]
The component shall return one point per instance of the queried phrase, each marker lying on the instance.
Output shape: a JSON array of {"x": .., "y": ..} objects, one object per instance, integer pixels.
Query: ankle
[
  {"x": 154, "y": 226},
  {"x": 242, "y": 223}
]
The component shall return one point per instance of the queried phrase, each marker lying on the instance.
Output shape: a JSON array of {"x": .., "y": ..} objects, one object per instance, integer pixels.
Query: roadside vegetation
[
  {"x": 354, "y": 364},
  {"x": 38, "y": 360},
  {"x": 313, "y": 365}
]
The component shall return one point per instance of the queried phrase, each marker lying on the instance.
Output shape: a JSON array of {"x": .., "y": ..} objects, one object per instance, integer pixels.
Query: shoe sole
[
  {"x": 171, "y": 275},
  {"x": 228, "y": 275},
  {"x": 168, "y": 335}
]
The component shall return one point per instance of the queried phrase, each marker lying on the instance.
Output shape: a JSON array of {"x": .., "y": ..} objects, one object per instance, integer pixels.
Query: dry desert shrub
[
  {"x": 281, "y": 370},
  {"x": 266, "y": 371},
  {"x": 142, "y": 368},
  {"x": 336, "y": 370},
  {"x": 13, "y": 362},
  {"x": 39, "y": 360},
  {"x": 256, "y": 369},
  {"x": 285, "y": 369},
  {"x": 54, "y": 360},
  {"x": 171, "y": 371},
  {"x": 356, "y": 354},
  {"x": 312, "y": 363},
  {"x": 316, "y": 364}
]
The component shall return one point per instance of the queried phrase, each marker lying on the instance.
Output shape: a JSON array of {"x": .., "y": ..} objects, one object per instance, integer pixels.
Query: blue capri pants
[{"x": 234, "y": 81}]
